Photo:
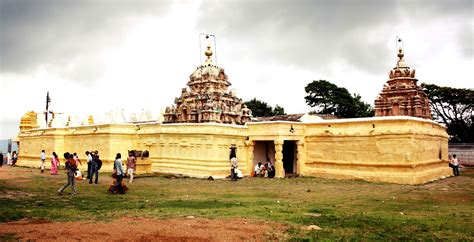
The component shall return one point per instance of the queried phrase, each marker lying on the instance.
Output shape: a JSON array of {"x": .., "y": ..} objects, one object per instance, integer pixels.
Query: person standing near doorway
[
  {"x": 43, "y": 160},
  {"x": 233, "y": 169}
]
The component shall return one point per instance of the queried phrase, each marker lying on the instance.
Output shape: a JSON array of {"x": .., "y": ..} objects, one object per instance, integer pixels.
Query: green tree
[
  {"x": 262, "y": 109},
  {"x": 454, "y": 108},
  {"x": 278, "y": 110},
  {"x": 328, "y": 98}
]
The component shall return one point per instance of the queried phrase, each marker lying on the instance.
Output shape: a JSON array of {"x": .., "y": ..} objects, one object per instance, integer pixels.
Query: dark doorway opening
[
  {"x": 289, "y": 157},
  {"x": 263, "y": 151}
]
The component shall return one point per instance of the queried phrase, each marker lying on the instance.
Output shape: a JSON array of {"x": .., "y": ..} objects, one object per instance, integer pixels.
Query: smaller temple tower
[{"x": 401, "y": 95}]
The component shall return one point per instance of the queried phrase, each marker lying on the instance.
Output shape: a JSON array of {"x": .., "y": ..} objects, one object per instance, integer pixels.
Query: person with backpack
[{"x": 71, "y": 168}]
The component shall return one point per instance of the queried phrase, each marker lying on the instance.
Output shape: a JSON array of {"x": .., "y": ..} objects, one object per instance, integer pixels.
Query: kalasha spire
[
  {"x": 401, "y": 62},
  {"x": 401, "y": 70},
  {"x": 208, "y": 53}
]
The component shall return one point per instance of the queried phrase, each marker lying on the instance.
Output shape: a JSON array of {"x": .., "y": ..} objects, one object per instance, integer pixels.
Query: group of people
[
  {"x": 11, "y": 158},
  {"x": 260, "y": 170},
  {"x": 94, "y": 164},
  {"x": 56, "y": 163},
  {"x": 264, "y": 170}
]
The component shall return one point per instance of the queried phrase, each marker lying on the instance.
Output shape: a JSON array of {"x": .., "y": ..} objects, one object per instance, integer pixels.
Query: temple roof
[{"x": 292, "y": 117}]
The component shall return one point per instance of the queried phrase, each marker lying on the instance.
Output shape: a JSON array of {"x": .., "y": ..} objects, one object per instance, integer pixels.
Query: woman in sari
[{"x": 54, "y": 164}]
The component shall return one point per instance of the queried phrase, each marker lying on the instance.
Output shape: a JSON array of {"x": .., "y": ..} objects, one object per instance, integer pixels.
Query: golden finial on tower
[
  {"x": 401, "y": 61},
  {"x": 208, "y": 53}
]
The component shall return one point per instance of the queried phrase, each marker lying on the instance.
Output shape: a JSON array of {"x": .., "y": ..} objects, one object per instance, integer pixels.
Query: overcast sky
[{"x": 96, "y": 56}]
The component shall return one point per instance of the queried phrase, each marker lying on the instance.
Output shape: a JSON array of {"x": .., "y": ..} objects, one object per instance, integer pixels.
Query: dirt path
[
  {"x": 8, "y": 173},
  {"x": 143, "y": 229}
]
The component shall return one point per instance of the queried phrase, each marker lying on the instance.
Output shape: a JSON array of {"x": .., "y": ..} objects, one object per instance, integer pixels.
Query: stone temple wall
[
  {"x": 402, "y": 150},
  {"x": 194, "y": 150},
  {"x": 464, "y": 152}
]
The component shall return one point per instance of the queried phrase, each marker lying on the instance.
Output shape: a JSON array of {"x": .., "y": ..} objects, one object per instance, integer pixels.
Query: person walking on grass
[
  {"x": 54, "y": 164},
  {"x": 70, "y": 170},
  {"x": 131, "y": 164},
  {"x": 43, "y": 160}
]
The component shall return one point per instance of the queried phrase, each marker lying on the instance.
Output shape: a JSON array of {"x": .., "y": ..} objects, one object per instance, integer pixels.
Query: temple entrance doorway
[
  {"x": 263, "y": 151},
  {"x": 289, "y": 158}
]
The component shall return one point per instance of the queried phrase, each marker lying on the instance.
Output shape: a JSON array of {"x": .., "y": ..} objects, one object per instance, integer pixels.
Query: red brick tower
[{"x": 401, "y": 95}]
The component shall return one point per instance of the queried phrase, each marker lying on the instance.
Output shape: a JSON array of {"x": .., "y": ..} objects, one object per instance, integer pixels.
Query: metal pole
[{"x": 215, "y": 48}]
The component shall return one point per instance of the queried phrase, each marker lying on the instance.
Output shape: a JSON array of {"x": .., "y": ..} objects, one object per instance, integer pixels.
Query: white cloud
[{"x": 142, "y": 60}]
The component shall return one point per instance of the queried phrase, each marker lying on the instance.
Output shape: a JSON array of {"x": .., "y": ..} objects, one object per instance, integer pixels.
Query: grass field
[{"x": 344, "y": 209}]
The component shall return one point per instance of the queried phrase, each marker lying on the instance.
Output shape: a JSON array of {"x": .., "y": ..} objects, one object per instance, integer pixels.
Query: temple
[
  {"x": 401, "y": 95},
  {"x": 207, "y": 124},
  {"x": 207, "y": 99}
]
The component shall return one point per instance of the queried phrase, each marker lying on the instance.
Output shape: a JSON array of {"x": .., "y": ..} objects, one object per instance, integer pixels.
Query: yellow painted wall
[
  {"x": 400, "y": 149},
  {"x": 386, "y": 150}
]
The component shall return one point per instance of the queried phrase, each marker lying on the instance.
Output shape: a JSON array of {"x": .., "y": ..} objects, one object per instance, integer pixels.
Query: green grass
[{"x": 442, "y": 210}]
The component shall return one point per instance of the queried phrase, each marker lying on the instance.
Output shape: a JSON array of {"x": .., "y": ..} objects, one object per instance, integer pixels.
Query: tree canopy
[
  {"x": 262, "y": 109},
  {"x": 328, "y": 98},
  {"x": 454, "y": 108}
]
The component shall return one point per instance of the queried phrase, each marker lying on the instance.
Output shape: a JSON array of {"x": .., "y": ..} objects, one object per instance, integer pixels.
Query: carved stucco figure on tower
[
  {"x": 207, "y": 99},
  {"x": 401, "y": 95}
]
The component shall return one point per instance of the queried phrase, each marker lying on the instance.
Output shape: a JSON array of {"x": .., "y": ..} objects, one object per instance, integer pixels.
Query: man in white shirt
[
  {"x": 89, "y": 160},
  {"x": 43, "y": 159},
  {"x": 257, "y": 170},
  {"x": 455, "y": 165},
  {"x": 9, "y": 159}
]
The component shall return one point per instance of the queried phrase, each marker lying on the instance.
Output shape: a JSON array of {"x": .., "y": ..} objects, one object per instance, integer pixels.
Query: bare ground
[{"x": 144, "y": 229}]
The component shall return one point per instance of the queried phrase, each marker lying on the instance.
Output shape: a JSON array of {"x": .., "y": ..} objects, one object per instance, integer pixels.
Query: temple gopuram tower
[
  {"x": 401, "y": 95},
  {"x": 207, "y": 99}
]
